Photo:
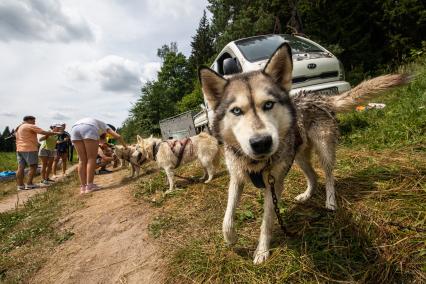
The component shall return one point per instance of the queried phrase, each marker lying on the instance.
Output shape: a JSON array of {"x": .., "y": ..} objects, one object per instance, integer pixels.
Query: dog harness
[{"x": 172, "y": 144}]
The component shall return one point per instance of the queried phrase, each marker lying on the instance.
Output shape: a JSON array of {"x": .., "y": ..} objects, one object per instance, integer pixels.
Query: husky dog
[
  {"x": 172, "y": 153},
  {"x": 264, "y": 130},
  {"x": 131, "y": 155}
]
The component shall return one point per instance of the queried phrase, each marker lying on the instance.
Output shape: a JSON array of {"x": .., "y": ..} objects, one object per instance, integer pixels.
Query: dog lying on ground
[
  {"x": 264, "y": 130},
  {"x": 132, "y": 156},
  {"x": 173, "y": 153}
]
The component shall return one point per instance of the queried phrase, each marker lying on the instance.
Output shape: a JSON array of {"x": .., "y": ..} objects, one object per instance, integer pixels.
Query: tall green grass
[{"x": 8, "y": 161}]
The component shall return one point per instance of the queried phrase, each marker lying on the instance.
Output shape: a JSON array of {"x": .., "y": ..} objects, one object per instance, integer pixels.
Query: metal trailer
[{"x": 179, "y": 126}]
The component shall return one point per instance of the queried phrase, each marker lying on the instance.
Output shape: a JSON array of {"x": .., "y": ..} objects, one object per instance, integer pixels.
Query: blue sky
[{"x": 62, "y": 60}]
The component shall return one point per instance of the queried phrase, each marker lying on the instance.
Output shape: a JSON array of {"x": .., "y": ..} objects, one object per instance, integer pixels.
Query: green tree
[
  {"x": 8, "y": 145},
  {"x": 202, "y": 45},
  {"x": 192, "y": 100}
]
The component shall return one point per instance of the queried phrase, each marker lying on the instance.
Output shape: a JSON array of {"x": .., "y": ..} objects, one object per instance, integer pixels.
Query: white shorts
[{"x": 84, "y": 131}]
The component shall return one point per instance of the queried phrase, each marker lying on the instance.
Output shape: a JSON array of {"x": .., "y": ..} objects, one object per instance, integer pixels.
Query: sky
[{"x": 62, "y": 60}]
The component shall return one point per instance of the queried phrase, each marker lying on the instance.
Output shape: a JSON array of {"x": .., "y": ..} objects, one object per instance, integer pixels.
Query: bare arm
[{"x": 117, "y": 136}]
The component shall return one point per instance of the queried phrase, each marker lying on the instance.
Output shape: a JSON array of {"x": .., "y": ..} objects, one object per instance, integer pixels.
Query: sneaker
[
  {"x": 92, "y": 187},
  {"x": 45, "y": 181},
  {"x": 20, "y": 187},
  {"x": 50, "y": 180},
  {"x": 31, "y": 186}
]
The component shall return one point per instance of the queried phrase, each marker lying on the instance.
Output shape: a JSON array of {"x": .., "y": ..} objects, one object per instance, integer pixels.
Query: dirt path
[
  {"x": 110, "y": 242},
  {"x": 18, "y": 199}
]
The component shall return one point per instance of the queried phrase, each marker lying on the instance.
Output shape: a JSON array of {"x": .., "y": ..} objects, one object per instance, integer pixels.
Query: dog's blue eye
[
  {"x": 237, "y": 111},
  {"x": 268, "y": 105}
]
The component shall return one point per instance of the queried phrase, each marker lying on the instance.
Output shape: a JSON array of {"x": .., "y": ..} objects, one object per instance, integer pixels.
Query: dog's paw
[
  {"x": 331, "y": 206},
  {"x": 260, "y": 256},
  {"x": 230, "y": 236},
  {"x": 302, "y": 197}
]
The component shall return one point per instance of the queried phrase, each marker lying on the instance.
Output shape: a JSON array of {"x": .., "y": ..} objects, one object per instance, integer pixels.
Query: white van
[{"x": 314, "y": 68}]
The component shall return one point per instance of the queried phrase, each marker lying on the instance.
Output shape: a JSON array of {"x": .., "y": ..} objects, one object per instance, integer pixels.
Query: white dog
[{"x": 172, "y": 153}]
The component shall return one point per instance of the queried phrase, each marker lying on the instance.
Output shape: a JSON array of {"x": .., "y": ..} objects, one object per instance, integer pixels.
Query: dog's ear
[
  {"x": 213, "y": 85},
  {"x": 140, "y": 139},
  {"x": 280, "y": 66}
]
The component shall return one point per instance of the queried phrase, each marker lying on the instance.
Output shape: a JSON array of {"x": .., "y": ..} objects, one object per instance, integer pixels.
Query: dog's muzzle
[{"x": 261, "y": 144}]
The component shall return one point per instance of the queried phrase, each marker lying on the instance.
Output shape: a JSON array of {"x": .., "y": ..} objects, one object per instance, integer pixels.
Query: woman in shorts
[
  {"x": 47, "y": 153},
  {"x": 85, "y": 135}
]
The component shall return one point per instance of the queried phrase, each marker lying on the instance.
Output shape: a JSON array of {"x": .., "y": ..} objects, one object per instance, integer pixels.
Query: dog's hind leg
[
  {"x": 327, "y": 156},
  {"x": 234, "y": 193},
  {"x": 208, "y": 167},
  {"x": 204, "y": 174},
  {"x": 210, "y": 172},
  {"x": 170, "y": 177},
  {"x": 303, "y": 160}
]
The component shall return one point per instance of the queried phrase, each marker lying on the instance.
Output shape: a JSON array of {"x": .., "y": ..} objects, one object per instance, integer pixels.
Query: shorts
[
  {"x": 47, "y": 153},
  {"x": 84, "y": 131},
  {"x": 27, "y": 158}
]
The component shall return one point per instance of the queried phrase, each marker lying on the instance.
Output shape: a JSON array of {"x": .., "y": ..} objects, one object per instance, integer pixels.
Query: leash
[{"x": 257, "y": 180}]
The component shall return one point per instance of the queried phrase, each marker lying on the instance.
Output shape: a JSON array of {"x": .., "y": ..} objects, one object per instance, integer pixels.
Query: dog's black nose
[{"x": 261, "y": 144}]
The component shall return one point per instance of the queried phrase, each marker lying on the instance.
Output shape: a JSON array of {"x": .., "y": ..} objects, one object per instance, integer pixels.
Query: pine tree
[
  {"x": 202, "y": 44},
  {"x": 8, "y": 144}
]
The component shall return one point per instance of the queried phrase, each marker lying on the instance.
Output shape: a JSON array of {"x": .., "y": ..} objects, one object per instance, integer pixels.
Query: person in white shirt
[{"x": 85, "y": 136}]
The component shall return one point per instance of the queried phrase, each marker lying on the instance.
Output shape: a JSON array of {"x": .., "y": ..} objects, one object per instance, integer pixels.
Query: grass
[
  {"x": 8, "y": 161},
  {"x": 378, "y": 234},
  {"x": 401, "y": 123},
  {"x": 28, "y": 235}
]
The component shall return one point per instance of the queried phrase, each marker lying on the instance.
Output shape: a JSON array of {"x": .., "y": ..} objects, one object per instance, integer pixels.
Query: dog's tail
[{"x": 366, "y": 90}]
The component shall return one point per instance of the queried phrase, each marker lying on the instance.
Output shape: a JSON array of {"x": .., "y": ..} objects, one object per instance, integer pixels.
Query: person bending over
[{"x": 85, "y": 136}]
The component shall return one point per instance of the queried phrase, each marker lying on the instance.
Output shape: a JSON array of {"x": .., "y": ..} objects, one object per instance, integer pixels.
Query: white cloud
[
  {"x": 60, "y": 116},
  {"x": 114, "y": 73},
  {"x": 7, "y": 114},
  {"x": 120, "y": 57},
  {"x": 41, "y": 20}
]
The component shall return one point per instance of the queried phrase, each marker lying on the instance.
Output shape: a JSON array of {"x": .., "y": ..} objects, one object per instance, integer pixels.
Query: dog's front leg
[
  {"x": 234, "y": 193},
  {"x": 132, "y": 171},
  {"x": 262, "y": 250}
]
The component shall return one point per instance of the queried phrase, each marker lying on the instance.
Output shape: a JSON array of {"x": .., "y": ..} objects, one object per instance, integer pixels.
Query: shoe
[
  {"x": 31, "y": 186},
  {"x": 50, "y": 180},
  {"x": 92, "y": 187},
  {"x": 101, "y": 172},
  {"x": 45, "y": 181},
  {"x": 20, "y": 187},
  {"x": 82, "y": 189}
]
